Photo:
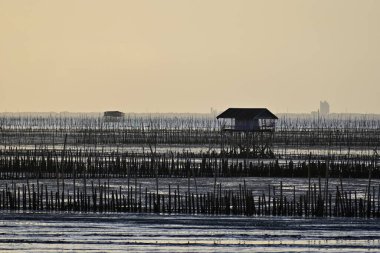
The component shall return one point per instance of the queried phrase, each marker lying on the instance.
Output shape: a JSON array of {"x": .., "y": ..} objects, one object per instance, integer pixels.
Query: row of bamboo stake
[
  {"x": 315, "y": 202},
  {"x": 49, "y": 164},
  {"x": 341, "y": 138}
]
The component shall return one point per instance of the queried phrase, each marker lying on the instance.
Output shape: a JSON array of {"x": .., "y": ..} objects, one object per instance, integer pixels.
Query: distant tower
[
  {"x": 324, "y": 108},
  {"x": 213, "y": 112}
]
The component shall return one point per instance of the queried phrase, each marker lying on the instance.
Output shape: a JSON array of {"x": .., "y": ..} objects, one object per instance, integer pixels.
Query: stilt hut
[
  {"x": 248, "y": 119},
  {"x": 111, "y": 116},
  {"x": 247, "y": 132}
]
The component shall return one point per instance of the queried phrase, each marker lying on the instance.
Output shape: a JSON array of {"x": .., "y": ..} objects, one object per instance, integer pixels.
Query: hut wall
[{"x": 247, "y": 124}]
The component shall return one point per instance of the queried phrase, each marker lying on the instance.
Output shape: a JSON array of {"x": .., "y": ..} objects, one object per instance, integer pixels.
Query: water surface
[{"x": 64, "y": 232}]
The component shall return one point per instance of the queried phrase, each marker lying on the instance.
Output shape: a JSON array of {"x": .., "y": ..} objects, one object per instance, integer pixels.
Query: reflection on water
[{"x": 40, "y": 232}]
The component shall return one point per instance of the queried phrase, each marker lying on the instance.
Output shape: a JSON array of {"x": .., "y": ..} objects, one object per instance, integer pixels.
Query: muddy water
[{"x": 62, "y": 232}]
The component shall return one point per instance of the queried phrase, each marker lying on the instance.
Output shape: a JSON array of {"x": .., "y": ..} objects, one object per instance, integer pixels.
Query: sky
[{"x": 189, "y": 56}]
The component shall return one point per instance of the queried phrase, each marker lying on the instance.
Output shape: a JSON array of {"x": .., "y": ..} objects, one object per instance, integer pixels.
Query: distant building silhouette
[
  {"x": 113, "y": 115},
  {"x": 324, "y": 108}
]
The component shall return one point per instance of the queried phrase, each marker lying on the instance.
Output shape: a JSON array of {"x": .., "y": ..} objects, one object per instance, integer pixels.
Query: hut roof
[{"x": 247, "y": 113}]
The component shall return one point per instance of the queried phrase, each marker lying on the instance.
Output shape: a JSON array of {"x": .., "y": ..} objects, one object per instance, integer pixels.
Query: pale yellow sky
[{"x": 189, "y": 56}]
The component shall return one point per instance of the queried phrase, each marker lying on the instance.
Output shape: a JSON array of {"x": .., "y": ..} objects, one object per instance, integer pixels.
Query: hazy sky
[{"x": 189, "y": 56}]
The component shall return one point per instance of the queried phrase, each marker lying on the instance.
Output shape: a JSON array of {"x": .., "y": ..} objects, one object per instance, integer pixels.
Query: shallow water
[{"x": 63, "y": 232}]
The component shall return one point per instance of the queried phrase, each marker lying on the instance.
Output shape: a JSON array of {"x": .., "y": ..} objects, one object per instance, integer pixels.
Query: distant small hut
[
  {"x": 248, "y": 119},
  {"x": 113, "y": 115}
]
